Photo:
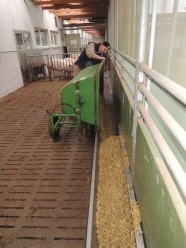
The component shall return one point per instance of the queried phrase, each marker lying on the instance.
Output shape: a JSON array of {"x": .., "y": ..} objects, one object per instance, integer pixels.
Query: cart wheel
[
  {"x": 90, "y": 130},
  {"x": 53, "y": 135}
]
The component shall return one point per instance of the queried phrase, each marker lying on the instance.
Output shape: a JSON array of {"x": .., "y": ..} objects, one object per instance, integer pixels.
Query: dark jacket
[{"x": 84, "y": 61}]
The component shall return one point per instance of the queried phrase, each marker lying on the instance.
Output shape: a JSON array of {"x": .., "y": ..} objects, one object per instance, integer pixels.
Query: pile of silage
[{"x": 114, "y": 215}]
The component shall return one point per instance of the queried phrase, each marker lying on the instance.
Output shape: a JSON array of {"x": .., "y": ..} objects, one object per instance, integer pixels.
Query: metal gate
[
  {"x": 61, "y": 65},
  {"x": 38, "y": 66},
  {"x": 57, "y": 66}
]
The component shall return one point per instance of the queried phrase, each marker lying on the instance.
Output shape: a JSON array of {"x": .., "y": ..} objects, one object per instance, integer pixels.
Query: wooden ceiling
[{"x": 87, "y": 15}]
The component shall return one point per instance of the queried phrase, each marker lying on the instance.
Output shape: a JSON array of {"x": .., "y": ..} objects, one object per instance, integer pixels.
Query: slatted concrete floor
[{"x": 44, "y": 185}]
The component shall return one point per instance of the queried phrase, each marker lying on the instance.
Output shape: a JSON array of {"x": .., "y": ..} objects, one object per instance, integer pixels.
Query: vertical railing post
[
  {"x": 139, "y": 75},
  {"x": 151, "y": 44},
  {"x": 48, "y": 66},
  {"x": 116, "y": 24},
  {"x": 172, "y": 34}
]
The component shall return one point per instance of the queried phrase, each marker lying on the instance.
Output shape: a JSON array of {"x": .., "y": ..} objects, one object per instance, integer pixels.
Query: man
[{"x": 93, "y": 54}]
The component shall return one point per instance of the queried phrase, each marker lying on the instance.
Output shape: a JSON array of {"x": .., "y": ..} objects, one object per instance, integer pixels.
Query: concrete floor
[{"x": 44, "y": 185}]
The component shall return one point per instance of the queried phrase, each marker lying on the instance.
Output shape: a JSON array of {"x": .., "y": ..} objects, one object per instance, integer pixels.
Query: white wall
[
  {"x": 85, "y": 37},
  {"x": 23, "y": 16},
  {"x": 10, "y": 73},
  {"x": 98, "y": 39}
]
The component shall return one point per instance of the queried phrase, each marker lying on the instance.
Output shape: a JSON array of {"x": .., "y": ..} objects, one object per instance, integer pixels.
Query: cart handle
[{"x": 63, "y": 103}]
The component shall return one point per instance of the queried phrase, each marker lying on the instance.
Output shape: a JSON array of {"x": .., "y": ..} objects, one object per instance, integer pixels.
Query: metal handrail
[
  {"x": 126, "y": 57},
  {"x": 124, "y": 78},
  {"x": 179, "y": 133},
  {"x": 175, "y": 89},
  {"x": 124, "y": 67}
]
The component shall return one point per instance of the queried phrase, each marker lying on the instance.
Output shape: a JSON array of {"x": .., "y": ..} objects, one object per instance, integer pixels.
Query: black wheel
[
  {"x": 53, "y": 135},
  {"x": 90, "y": 130}
]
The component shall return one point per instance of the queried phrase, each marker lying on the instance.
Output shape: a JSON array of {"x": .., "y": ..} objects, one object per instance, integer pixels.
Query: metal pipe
[
  {"x": 115, "y": 25},
  {"x": 134, "y": 127},
  {"x": 175, "y": 89},
  {"x": 139, "y": 75},
  {"x": 178, "y": 132},
  {"x": 125, "y": 68},
  {"x": 126, "y": 90},
  {"x": 166, "y": 152},
  {"x": 110, "y": 18},
  {"x": 131, "y": 25},
  {"x": 142, "y": 29},
  {"x": 128, "y": 85},
  {"x": 172, "y": 34},
  {"x": 126, "y": 81},
  {"x": 91, "y": 201},
  {"x": 128, "y": 58},
  {"x": 152, "y": 34},
  {"x": 151, "y": 43}
]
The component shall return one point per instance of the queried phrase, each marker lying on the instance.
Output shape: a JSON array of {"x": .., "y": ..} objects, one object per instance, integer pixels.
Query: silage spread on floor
[{"x": 114, "y": 222}]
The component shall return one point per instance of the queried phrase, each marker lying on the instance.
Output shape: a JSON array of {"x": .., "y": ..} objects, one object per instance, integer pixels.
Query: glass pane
[
  {"x": 52, "y": 38},
  {"x": 19, "y": 41},
  {"x": 44, "y": 37},
  {"x": 38, "y": 42},
  {"x": 170, "y": 40},
  {"x": 27, "y": 41},
  {"x": 56, "y": 38},
  {"x": 74, "y": 42}
]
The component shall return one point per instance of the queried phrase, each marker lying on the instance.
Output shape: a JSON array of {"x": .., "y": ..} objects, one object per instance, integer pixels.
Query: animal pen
[{"x": 53, "y": 66}]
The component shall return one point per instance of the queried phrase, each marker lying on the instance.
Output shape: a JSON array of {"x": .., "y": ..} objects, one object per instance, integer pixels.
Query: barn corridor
[{"x": 44, "y": 185}]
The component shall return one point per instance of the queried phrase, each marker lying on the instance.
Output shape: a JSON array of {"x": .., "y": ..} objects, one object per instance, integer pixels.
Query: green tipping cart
[{"x": 79, "y": 100}]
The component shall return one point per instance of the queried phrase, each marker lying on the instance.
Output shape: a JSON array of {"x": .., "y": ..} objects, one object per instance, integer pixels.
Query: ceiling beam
[
  {"x": 84, "y": 25},
  {"x": 78, "y": 15},
  {"x": 69, "y": 6},
  {"x": 67, "y": 2},
  {"x": 94, "y": 10},
  {"x": 89, "y": 10},
  {"x": 83, "y": 28}
]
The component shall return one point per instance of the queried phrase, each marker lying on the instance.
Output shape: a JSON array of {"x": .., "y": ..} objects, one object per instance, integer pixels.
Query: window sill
[{"x": 56, "y": 46}]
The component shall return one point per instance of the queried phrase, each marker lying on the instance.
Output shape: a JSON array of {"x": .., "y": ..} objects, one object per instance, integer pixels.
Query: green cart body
[{"x": 79, "y": 100}]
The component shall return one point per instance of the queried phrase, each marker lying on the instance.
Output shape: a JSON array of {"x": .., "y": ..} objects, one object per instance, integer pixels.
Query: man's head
[
  {"x": 104, "y": 47},
  {"x": 106, "y": 44}
]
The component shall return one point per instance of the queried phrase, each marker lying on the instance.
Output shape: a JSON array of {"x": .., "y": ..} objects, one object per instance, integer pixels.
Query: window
[
  {"x": 44, "y": 37},
  {"x": 23, "y": 40},
  {"x": 56, "y": 21},
  {"x": 19, "y": 41},
  {"x": 54, "y": 38},
  {"x": 27, "y": 40},
  {"x": 41, "y": 37},
  {"x": 37, "y": 35},
  {"x": 73, "y": 42}
]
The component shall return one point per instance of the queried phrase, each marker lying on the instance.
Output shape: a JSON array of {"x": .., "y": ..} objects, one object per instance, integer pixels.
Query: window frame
[
  {"x": 54, "y": 36},
  {"x": 23, "y": 34},
  {"x": 40, "y": 30}
]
